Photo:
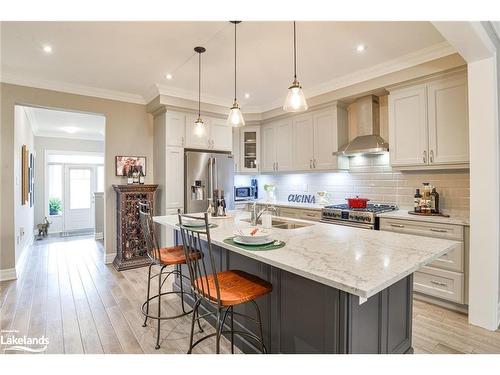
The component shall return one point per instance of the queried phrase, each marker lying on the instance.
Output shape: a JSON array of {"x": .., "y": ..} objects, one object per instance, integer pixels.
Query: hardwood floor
[{"x": 83, "y": 306}]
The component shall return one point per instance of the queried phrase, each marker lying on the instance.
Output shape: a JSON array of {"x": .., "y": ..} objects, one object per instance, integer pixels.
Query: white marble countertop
[
  {"x": 359, "y": 261},
  {"x": 456, "y": 217}
]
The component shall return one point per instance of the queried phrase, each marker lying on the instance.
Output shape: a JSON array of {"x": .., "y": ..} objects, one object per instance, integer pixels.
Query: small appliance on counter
[
  {"x": 244, "y": 193},
  {"x": 426, "y": 201}
]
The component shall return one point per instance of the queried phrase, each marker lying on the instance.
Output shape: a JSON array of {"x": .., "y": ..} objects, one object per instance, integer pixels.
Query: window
[
  {"x": 100, "y": 178},
  {"x": 55, "y": 182},
  {"x": 79, "y": 188},
  {"x": 75, "y": 159}
]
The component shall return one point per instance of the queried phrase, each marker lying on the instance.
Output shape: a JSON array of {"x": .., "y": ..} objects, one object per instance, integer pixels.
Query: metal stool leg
[
  {"x": 262, "y": 346},
  {"x": 159, "y": 308},
  {"x": 218, "y": 330},
  {"x": 195, "y": 314},
  {"x": 232, "y": 331},
  {"x": 182, "y": 288},
  {"x": 147, "y": 298}
]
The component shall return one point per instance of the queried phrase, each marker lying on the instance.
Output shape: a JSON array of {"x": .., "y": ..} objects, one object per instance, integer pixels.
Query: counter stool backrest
[
  {"x": 202, "y": 279},
  {"x": 148, "y": 231}
]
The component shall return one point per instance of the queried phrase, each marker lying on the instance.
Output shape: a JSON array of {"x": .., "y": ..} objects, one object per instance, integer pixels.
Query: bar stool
[
  {"x": 219, "y": 291},
  {"x": 161, "y": 257}
]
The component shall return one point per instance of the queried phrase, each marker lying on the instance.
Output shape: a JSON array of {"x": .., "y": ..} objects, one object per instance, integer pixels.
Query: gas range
[{"x": 356, "y": 217}]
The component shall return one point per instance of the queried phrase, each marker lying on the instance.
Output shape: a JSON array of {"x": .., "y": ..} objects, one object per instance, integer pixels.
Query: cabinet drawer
[
  {"x": 453, "y": 261},
  {"x": 437, "y": 230},
  {"x": 287, "y": 212},
  {"x": 309, "y": 215},
  {"x": 444, "y": 284}
]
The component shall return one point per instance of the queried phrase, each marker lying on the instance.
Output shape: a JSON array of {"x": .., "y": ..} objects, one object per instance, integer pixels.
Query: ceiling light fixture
[
  {"x": 199, "y": 129},
  {"x": 168, "y": 76},
  {"x": 47, "y": 48},
  {"x": 235, "y": 117},
  {"x": 360, "y": 48},
  {"x": 295, "y": 100},
  {"x": 247, "y": 95}
]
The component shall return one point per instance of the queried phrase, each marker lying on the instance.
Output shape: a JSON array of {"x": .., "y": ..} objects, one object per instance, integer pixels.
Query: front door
[{"x": 78, "y": 208}]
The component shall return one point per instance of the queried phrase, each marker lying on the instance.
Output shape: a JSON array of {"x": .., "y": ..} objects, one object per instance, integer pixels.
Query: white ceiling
[
  {"x": 128, "y": 59},
  {"x": 65, "y": 124}
]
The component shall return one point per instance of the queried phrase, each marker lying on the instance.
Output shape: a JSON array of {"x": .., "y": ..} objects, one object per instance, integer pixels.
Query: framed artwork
[
  {"x": 24, "y": 175},
  {"x": 32, "y": 180},
  {"x": 124, "y": 163}
]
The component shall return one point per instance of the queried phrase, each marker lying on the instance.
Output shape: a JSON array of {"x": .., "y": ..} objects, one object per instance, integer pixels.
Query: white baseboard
[
  {"x": 98, "y": 236},
  {"x": 8, "y": 274},
  {"x": 109, "y": 258},
  {"x": 22, "y": 258},
  {"x": 498, "y": 315}
]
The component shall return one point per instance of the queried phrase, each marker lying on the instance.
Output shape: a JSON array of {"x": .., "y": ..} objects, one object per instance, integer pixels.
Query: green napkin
[{"x": 270, "y": 246}]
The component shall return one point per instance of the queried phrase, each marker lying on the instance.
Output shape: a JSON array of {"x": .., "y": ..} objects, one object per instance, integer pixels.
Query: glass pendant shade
[
  {"x": 295, "y": 100},
  {"x": 199, "y": 127},
  {"x": 235, "y": 118}
]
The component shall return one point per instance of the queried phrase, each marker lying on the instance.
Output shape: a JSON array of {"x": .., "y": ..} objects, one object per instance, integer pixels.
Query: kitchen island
[{"x": 336, "y": 289}]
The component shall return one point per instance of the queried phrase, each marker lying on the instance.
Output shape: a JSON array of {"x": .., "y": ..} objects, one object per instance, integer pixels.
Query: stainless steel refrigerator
[{"x": 205, "y": 172}]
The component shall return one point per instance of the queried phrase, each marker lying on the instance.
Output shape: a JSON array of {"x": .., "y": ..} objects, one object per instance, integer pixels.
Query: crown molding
[{"x": 70, "y": 88}]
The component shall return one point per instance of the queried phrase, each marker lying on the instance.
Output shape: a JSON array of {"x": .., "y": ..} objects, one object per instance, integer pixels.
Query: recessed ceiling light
[
  {"x": 360, "y": 48},
  {"x": 168, "y": 76},
  {"x": 247, "y": 95},
  {"x": 70, "y": 129},
  {"x": 47, "y": 48}
]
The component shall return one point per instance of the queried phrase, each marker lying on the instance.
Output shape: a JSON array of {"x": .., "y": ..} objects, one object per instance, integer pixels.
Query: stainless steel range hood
[{"x": 368, "y": 140}]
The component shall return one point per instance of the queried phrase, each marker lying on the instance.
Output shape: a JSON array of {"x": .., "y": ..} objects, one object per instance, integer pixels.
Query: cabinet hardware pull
[
  {"x": 182, "y": 141},
  {"x": 314, "y": 163},
  {"x": 425, "y": 157},
  {"x": 431, "y": 156},
  {"x": 397, "y": 225},
  {"x": 438, "y": 230},
  {"x": 438, "y": 283},
  {"x": 277, "y": 166},
  {"x": 310, "y": 164}
]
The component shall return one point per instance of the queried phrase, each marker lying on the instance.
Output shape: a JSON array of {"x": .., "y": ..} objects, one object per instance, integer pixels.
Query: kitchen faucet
[{"x": 254, "y": 218}]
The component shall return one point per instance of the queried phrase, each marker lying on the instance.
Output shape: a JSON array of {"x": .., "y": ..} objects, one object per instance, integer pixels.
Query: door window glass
[
  {"x": 79, "y": 188},
  {"x": 55, "y": 182}
]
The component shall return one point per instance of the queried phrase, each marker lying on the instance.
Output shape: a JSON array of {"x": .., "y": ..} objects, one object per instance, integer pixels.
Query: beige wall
[{"x": 129, "y": 130}]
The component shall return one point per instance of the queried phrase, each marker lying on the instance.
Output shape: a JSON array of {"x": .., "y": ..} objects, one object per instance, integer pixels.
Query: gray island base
[
  {"x": 336, "y": 289},
  {"x": 304, "y": 316}
]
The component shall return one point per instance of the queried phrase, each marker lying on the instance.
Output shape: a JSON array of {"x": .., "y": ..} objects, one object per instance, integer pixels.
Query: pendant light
[
  {"x": 235, "y": 117},
  {"x": 199, "y": 125},
  {"x": 295, "y": 100}
]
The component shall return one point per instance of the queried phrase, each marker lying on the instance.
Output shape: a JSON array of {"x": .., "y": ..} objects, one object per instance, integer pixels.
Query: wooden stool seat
[
  {"x": 175, "y": 255},
  {"x": 235, "y": 287}
]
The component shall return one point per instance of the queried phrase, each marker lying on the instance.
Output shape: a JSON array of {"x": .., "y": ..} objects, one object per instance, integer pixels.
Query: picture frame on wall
[
  {"x": 24, "y": 175},
  {"x": 124, "y": 163}
]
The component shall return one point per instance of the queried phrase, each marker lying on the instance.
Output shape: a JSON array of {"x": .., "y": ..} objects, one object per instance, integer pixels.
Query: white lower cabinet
[{"x": 445, "y": 277}]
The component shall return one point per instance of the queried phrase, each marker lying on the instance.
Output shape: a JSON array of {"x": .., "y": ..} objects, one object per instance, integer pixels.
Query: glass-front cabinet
[{"x": 250, "y": 149}]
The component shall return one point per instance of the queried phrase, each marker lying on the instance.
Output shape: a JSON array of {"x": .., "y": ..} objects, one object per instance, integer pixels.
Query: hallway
[{"x": 83, "y": 306}]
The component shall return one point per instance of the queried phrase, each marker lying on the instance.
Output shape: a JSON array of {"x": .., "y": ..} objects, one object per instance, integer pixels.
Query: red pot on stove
[{"x": 357, "y": 202}]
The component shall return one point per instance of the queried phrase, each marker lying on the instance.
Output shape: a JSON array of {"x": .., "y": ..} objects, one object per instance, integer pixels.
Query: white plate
[
  {"x": 263, "y": 241},
  {"x": 193, "y": 223},
  {"x": 245, "y": 234}
]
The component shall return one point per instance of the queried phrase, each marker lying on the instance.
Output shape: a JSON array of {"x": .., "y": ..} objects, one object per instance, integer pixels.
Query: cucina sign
[{"x": 301, "y": 198}]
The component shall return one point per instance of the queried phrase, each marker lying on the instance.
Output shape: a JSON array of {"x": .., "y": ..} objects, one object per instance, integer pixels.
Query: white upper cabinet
[
  {"x": 284, "y": 146},
  {"x": 330, "y": 132},
  {"x": 175, "y": 129},
  {"x": 448, "y": 121},
  {"x": 214, "y": 135},
  {"x": 221, "y": 135},
  {"x": 303, "y": 142},
  {"x": 428, "y": 124},
  {"x": 197, "y": 137},
  {"x": 250, "y": 149},
  {"x": 174, "y": 177},
  {"x": 268, "y": 159},
  {"x": 408, "y": 143}
]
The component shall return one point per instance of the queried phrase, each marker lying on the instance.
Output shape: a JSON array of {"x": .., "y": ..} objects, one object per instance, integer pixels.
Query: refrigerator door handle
[
  {"x": 214, "y": 173},
  {"x": 210, "y": 178}
]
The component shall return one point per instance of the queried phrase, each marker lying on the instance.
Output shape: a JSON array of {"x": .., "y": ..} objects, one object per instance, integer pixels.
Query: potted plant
[{"x": 55, "y": 206}]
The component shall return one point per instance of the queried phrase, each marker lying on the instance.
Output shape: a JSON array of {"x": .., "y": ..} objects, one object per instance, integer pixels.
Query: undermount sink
[{"x": 282, "y": 224}]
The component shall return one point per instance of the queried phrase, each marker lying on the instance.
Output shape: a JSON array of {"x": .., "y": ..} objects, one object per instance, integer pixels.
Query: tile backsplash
[{"x": 370, "y": 177}]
